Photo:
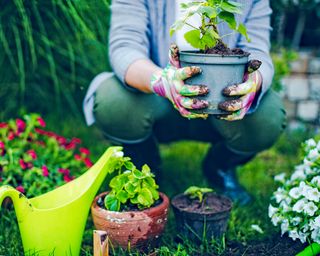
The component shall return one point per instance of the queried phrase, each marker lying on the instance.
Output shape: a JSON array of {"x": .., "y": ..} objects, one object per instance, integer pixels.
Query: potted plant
[
  {"x": 295, "y": 204},
  {"x": 133, "y": 212},
  {"x": 200, "y": 213},
  {"x": 220, "y": 65}
]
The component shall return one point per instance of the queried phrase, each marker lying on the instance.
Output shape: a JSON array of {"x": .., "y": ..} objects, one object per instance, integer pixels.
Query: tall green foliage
[{"x": 49, "y": 52}]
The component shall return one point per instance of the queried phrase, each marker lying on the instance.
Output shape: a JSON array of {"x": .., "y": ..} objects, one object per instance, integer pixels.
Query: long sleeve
[
  {"x": 129, "y": 34},
  {"x": 258, "y": 27}
]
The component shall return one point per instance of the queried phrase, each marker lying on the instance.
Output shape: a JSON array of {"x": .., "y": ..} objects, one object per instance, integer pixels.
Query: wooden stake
[{"x": 100, "y": 243}]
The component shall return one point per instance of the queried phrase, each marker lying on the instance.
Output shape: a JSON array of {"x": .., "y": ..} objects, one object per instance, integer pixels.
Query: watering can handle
[{"x": 311, "y": 250}]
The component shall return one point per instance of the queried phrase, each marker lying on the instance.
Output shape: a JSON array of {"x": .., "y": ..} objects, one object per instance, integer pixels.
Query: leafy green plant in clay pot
[
  {"x": 133, "y": 212},
  {"x": 200, "y": 213},
  {"x": 221, "y": 66}
]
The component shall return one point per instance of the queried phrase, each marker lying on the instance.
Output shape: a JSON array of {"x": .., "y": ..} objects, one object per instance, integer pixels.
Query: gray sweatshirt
[{"x": 140, "y": 30}]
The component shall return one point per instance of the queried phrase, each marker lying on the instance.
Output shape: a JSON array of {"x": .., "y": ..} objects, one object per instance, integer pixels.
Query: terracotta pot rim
[
  {"x": 164, "y": 204},
  {"x": 205, "y": 213}
]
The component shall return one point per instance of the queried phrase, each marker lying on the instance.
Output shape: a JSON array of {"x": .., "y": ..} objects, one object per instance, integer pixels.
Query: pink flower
[
  {"x": 21, "y": 125},
  {"x": 87, "y": 162},
  {"x": 61, "y": 140},
  {"x": 67, "y": 178},
  {"x": 20, "y": 189},
  {"x": 70, "y": 146},
  {"x": 23, "y": 164},
  {"x": 11, "y": 136},
  {"x": 1, "y": 145},
  {"x": 85, "y": 151},
  {"x": 45, "y": 171},
  {"x": 76, "y": 140},
  {"x": 77, "y": 157},
  {"x": 64, "y": 171},
  {"x": 32, "y": 153},
  {"x": 41, "y": 122},
  {"x": 3, "y": 125}
]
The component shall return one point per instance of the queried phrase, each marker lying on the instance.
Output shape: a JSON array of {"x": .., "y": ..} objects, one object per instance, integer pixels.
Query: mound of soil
[{"x": 223, "y": 50}]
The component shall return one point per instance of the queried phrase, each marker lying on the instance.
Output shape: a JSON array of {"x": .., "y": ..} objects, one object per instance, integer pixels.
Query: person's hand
[
  {"x": 247, "y": 91},
  {"x": 169, "y": 83}
]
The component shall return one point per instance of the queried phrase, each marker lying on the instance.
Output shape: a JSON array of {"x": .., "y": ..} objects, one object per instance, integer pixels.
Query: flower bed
[{"x": 35, "y": 160}]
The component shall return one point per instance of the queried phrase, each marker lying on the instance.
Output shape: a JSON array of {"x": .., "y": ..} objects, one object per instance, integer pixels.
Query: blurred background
[{"x": 51, "y": 50}]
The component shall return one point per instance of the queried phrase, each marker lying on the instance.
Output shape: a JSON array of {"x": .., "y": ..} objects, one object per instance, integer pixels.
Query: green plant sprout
[
  {"x": 194, "y": 192},
  {"x": 212, "y": 13},
  {"x": 131, "y": 186}
]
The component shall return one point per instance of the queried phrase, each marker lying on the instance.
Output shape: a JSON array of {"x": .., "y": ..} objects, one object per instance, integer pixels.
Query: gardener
[{"x": 126, "y": 105}]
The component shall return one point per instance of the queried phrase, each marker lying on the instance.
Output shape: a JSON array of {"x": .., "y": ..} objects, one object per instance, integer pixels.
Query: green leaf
[
  {"x": 145, "y": 197},
  {"x": 112, "y": 203},
  {"x": 176, "y": 26},
  {"x": 118, "y": 182},
  {"x": 243, "y": 31},
  {"x": 154, "y": 192},
  {"x": 122, "y": 196},
  {"x": 129, "y": 165},
  {"x": 138, "y": 174},
  {"x": 209, "y": 11},
  {"x": 134, "y": 200},
  {"x": 230, "y": 8},
  {"x": 130, "y": 188},
  {"x": 150, "y": 182},
  {"x": 193, "y": 38},
  {"x": 146, "y": 170},
  {"x": 229, "y": 18}
]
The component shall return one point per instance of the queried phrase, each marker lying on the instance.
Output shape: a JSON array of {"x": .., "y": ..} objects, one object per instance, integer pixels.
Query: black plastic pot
[
  {"x": 198, "y": 226},
  {"x": 218, "y": 72}
]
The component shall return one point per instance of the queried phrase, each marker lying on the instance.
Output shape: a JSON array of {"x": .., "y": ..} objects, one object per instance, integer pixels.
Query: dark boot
[
  {"x": 219, "y": 168},
  {"x": 146, "y": 152}
]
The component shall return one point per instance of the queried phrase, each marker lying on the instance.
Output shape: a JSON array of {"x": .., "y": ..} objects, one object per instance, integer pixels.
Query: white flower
[
  {"x": 305, "y": 227},
  {"x": 272, "y": 210},
  {"x": 313, "y": 194},
  {"x": 306, "y": 162},
  {"x": 299, "y": 206},
  {"x": 314, "y": 224},
  {"x": 316, "y": 181},
  {"x": 304, "y": 187},
  {"x": 310, "y": 208},
  {"x": 296, "y": 221},
  {"x": 311, "y": 143},
  {"x": 280, "y": 195},
  {"x": 257, "y": 228},
  {"x": 284, "y": 226},
  {"x": 285, "y": 207},
  {"x": 118, "y": 154},
  {"x": 313, "y": 154},
  {"x": 293, "y": 234},
  {"x": 275, "y": 220},
  {"x": 295, "y": 192},
  {"x": 298, "y": 175},
  {"x": 280, "y": 177},
  {"x": 315, "y": 235},
  {"x": 302, "y": 237}
]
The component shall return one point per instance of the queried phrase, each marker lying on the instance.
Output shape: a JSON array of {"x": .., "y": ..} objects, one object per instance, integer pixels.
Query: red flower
[
  {"x": 64, "y": 171},
  {"x": 61, "y": 140},
  {"x": 3, "y": 125},
  {"x": 40, "y": 131},
  {"x": 45, "y": 171},
  {"x": 21, "y": 125},
  {"x": 87, "y": 162},
  {"x": 32, "y": 153},
  {"x": 23, "y": 164},
  {"x": 85, "y": 151},
  {"x": 11, "y": 136},
  {"x": 1, "y": 145},
  {"x": 41, "y": 122},
  {"x": 20, "y": 189},
  {"x": 76, "y": 140},
  {"x": 70, "y": 146},
  {"x": 77, "y": 157}
]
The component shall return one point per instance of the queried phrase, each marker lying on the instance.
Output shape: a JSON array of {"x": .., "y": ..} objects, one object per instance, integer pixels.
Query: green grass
[{"x": 182, "y": 168}]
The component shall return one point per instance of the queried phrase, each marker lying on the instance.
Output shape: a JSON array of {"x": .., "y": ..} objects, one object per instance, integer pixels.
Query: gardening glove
[
  {"x": 248, "y": 91},
  {"x": 169, "y": 83}
]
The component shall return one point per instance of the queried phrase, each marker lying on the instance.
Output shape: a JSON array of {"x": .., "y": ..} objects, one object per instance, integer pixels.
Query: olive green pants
[{"x": 129, "y": 117}]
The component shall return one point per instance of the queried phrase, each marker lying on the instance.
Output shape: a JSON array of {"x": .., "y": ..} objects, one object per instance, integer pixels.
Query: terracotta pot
[
  {"x": 134, "y": 229},
  {"x": 197, "y": 226}
]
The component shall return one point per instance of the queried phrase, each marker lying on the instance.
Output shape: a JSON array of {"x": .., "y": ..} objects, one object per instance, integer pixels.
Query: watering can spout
[{"x": 22, "y": 205}]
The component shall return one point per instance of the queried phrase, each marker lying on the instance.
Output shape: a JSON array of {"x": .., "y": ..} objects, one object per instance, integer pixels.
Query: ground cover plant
[{"x": 180, "y": 161}]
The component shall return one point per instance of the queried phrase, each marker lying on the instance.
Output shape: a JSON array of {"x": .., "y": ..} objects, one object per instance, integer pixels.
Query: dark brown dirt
[
  {"x": 223, "y": 50},
  {"x": 211, "y": 203},
  {"x": 274, "y": 246}
]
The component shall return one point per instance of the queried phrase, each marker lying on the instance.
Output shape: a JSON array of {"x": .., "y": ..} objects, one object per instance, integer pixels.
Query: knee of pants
[
  {"x": 260, "y": 130},
  {"x": 121, "y": 114}
]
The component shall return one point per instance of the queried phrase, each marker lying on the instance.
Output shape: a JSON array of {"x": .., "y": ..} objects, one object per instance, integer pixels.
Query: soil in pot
[
  {"x": 132, "y": 228},
  {"x": 221, "y": 67},
  {"x": 201, "y": 220}
]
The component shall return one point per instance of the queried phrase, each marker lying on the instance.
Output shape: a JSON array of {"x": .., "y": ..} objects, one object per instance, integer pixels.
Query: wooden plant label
[{"x": 100, "y": 243}]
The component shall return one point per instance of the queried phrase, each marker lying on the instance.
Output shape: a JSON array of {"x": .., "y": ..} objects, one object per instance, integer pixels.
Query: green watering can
[{"x": 53, "y": 223}]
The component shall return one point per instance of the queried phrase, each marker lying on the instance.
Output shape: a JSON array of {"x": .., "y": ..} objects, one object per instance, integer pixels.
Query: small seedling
[
  {"x": 194, "y": 192},
  {"x": 212, "y": 13}
]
